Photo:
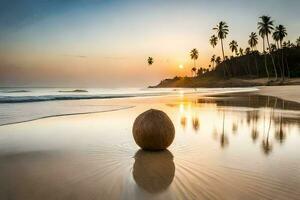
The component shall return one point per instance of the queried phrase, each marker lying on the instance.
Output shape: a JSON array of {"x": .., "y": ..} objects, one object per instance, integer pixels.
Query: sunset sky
[{"x": 106, "y": 43}]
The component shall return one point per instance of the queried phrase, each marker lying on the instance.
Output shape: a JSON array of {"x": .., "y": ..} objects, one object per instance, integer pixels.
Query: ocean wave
[
  {"x": 171, "y": 91},
  {"x": 25, "y": 99},
  {"x": 77, "y": 90},
  {"x": 16, "y": 91}
]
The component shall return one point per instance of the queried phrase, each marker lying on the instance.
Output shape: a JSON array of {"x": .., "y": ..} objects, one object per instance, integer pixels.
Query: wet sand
[
  {"x": 227, "y": 147},
  {"x": 288, "y": 92}
]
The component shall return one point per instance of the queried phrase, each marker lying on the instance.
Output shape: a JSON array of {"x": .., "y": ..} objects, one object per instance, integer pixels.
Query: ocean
[{"x": 26, "y": 104}]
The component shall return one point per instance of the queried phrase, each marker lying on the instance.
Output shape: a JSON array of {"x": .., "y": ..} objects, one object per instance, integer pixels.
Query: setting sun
[{"x": 181, "y": 66}]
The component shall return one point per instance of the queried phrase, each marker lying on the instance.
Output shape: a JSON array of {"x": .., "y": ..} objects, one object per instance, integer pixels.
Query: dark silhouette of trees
[
  {"x": 233, "y": 45},
  {"x": 280, "y": 33},
  {"x": 212, "y": 60},
  {"x": 265, "y": 27},
  {"x": 298, "y": 42},
  {"x": 253, "y": 41},
  {"x": 150, "y": 60},
  {"x": 213, "y": 41},
  {"x": 194, "y": 54},
  {"x": 222, "y": 31}
]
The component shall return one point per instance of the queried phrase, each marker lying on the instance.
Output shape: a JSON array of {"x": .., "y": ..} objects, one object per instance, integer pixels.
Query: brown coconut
[{"x": 153, "y": 130}]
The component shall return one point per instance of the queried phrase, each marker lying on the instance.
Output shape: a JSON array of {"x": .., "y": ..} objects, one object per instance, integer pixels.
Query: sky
[{"x": 94, "y": 43}]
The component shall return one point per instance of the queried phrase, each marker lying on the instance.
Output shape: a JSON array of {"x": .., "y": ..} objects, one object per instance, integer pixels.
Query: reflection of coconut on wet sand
[
  {"x": 153, "y": 130},
  {"x": 153, "y": 171}
]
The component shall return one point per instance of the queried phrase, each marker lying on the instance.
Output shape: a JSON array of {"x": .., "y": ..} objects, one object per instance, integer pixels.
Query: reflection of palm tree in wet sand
[
  {"x": 183, "y": 121},
  {"x": 195, "y": 122},
  {"x": 280, "y": 134},
  {"x": 254, "y": 131},
  {"x": 224, "y": 139},
  {"x": 266, "y": 144}
]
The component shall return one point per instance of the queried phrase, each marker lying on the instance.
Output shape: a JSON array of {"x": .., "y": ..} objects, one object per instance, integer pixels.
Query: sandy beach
[
  {"x": 231, "y": 147},
  {"x": 288, "y": 92}
]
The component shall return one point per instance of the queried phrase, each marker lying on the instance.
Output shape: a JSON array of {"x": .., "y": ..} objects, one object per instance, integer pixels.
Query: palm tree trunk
[
  {"x": 287, "y": 66},
  {"x": 280, "y": 67},
  {"x": 194, "y": 66},
  {"x": 265, "y": 57},
  {"x": 282, "y": 61},
  {"x": 274, "y": 66},
  {"x": 248, "y": 63},
  {"x": 255, "y": 60},
  {"x": 224, "y": 68}
]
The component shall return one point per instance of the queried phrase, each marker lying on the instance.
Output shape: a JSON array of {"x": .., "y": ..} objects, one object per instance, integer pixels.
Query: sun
[{"x": 180, "y": 66}]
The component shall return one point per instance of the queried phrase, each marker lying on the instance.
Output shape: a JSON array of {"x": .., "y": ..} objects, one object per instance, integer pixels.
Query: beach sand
[
  {"x": 232, "y": 147},
  {"x": 288, "y": 92}
]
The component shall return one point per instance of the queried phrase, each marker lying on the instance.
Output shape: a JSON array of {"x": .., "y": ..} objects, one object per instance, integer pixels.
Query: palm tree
[
  {"x": 253, "y": 41},
  {"x": 194, "y": 56},
  {"x": 233, "y": 46},
  {"x": 298, "y": 42},
  {"x": 247, "y": 51},
  {"x": 218, "y": 60},
  {"x": 213, "y": 41},
  {"x": 276, "y": 38},
  {"x": 212, "y": 60},
  {"x": 241, "y": 51},
  {"x": 265, "y": 27},
  {"x": 273, "y": 47},
  {"x": 194, "y": 69},
  {"x": 222, "y": 31},
  {"x": 150, "y": 61},
  {"x": 280, "y": 33}
]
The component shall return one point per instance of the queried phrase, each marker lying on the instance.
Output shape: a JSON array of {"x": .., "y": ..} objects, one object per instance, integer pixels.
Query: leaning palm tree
[
  {"x": 212, "y": 60},
  {"x": 213, "y": 41},
  {"x": 280, "y": 33},
  {"x": 233, "y": 45},
  {"x": 253, "y": 41},
  {"x": 298, "y": 42},
  {"x": 194, "y": 56},
  {"x": 265, "y": 27},
  {"x": 150, "y": 60},
  {"x": 222, "y": 31}
]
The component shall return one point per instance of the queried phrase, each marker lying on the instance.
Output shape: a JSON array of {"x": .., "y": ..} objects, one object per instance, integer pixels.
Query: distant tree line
[{"x": 279, "y": 59}]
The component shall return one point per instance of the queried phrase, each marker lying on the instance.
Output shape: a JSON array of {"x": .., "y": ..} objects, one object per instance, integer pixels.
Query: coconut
[{"x": 153, "y": 130}]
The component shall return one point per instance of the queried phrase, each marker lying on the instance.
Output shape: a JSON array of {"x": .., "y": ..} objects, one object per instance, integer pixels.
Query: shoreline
[
  {"x": 213, "y": 82},
  {"x": 287, "y": 92}
]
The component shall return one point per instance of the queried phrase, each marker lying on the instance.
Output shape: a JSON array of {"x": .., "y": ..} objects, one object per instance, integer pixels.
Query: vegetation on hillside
[{"x": 277, "y": 61}]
